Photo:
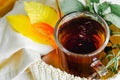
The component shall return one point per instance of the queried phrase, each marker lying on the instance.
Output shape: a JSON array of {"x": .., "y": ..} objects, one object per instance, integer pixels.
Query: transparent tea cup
[{"x": 81, "y": 37}]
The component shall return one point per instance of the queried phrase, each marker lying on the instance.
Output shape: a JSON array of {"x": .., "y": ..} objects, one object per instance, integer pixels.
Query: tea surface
[{"x": 81, "y": 35}]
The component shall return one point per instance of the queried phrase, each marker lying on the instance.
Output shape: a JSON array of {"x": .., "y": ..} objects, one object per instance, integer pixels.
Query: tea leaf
[
  {"x": 116, "y": 64},
  {"x": 102, "y": 7},
  {"x": 113, "y": 70},
  {"x": 118, "y": 54},
  {"x": 114, "y": 19},
  {"x": 110, "y": 62},
  {"x": 109, "y": 23},
  {"x": 113, "y": 53},
  {"x": 96, "y": 1},
  {"x": 109, "y": 55},
  {"x": 88, "y": 2},
  {"x": 115, "y": 8},
  {"x": 68, "y": 6},
  {"x": 90, "y": 6},
  {"x": 119, "y": 58}
]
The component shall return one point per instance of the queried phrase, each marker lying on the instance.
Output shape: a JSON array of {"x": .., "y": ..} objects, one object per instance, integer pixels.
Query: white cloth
[
  {"x": 14, "y": 46},
  {"x": 17, "y": 52}
]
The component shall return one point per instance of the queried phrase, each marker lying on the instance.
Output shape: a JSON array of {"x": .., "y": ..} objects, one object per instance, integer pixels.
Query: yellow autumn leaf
[
  {"x": 25, "y": 28},
  {"x": 39, "y": 12}
]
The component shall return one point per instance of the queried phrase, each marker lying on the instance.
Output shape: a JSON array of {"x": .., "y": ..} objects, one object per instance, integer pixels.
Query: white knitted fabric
[{"x": 42, "y": 71}]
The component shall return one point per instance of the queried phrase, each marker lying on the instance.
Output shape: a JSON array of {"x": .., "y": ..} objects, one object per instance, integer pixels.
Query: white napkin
[{"x": 16, "y": 51}]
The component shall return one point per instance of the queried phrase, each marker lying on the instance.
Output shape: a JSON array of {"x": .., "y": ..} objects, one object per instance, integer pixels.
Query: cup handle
[{"x": 100, "y": 69}]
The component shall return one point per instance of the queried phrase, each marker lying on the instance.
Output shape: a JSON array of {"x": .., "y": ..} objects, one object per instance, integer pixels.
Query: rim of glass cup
[{"x": 77, "y": 54}]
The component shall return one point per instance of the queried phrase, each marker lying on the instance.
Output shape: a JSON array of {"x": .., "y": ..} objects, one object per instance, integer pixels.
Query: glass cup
[{"x": 81, "y": 37}]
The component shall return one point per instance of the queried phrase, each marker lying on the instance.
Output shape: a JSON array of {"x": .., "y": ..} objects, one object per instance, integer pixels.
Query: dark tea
[
  {"x": 80, "y": 38},
  {"x": 81, "y": 35}
]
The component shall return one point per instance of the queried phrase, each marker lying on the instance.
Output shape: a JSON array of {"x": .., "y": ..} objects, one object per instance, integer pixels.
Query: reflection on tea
[{"x": 81, "y": 35}]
